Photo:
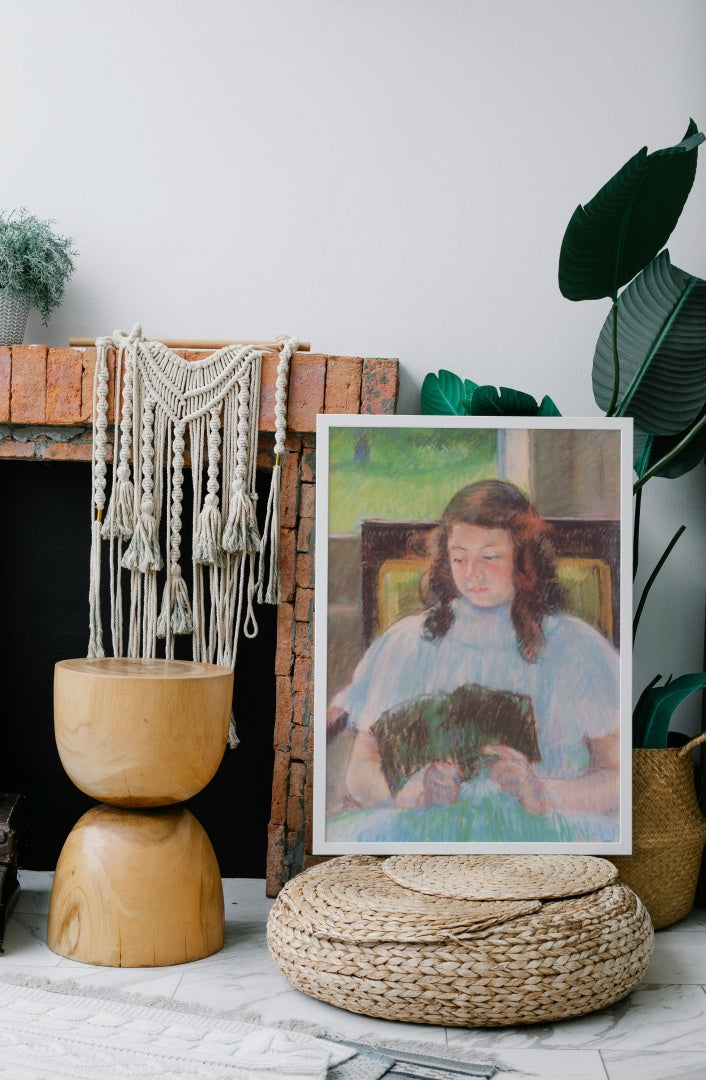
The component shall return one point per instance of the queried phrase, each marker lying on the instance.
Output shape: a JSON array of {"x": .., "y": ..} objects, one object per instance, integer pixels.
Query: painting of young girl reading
[{"x": 491, "y": 716}]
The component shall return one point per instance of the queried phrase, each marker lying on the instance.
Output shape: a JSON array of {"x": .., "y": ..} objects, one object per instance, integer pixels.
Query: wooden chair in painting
[{"x": 395, "y": 555}]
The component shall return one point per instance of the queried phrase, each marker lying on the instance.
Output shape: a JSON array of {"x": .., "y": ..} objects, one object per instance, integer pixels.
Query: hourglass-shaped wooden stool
[{"x": 137, "y": 883}]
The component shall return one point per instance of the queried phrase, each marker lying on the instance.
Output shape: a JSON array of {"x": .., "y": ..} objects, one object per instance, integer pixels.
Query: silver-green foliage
[{"x": 35, "y": 262}]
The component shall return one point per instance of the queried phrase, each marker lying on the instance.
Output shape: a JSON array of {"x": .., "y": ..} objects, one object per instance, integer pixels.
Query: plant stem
[
  {"x": 651, "y": 580},
  {"x": 616, "y": 365},
  {"x": 668, "y": 457}
]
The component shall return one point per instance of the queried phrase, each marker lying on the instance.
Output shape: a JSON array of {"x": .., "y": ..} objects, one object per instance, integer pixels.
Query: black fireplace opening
[{"x": 44, "y": 561}]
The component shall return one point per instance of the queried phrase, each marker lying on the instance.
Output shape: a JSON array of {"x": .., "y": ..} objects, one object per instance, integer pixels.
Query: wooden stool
[{"x": 137, "y": 886}]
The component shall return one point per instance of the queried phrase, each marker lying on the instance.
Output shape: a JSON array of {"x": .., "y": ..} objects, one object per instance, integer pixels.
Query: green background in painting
[{"x": 402, "y": 472}]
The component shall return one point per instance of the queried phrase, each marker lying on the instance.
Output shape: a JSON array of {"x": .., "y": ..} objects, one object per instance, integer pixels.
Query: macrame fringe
[
  {"x": 142, "y": 553},
  {"x": 120, "y": 518},
  {"x": 273, "y": 593},
  {"x": 175, "y": 615},
  {"x": 233, "y": 740},
  {"x": 241, "y": 532},
  {"x": 208, "y": 542},
  {"x": 95, "y": 640}
]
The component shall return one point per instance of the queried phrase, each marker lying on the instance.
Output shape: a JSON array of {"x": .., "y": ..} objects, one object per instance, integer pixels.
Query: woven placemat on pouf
[
  {"x": 347, "y": 933},
  {"x": 501, "y": 877}
]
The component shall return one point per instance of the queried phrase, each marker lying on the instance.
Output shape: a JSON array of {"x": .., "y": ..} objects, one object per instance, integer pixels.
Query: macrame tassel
[
  {"x": 143, "y": 552},
  {"x": 120, "y": 517},
  {"x": 273, "y": 593},
  {"x": 95, "y": 640},
  {"x": 208, "y": 549},
  {"x": 175, "y": 614},
  {"x": 241, "y": 532},
  {"x": 233, "y": 739}
]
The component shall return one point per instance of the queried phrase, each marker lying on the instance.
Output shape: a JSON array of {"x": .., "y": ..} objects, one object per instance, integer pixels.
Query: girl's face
[{"x": 482, "y": 564}]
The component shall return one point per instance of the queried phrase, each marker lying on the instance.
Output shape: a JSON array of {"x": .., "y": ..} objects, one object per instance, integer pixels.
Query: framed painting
[{"x": 472, "y": 638}]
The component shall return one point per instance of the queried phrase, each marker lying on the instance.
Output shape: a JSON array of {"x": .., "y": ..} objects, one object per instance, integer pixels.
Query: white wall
[{"x": 382, "y": 177}]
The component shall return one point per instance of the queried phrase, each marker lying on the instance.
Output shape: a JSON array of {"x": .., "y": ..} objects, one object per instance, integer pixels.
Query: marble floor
[{"x": 658, "y": 1033}]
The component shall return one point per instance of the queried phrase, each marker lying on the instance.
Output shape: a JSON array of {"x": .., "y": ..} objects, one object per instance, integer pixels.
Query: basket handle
[{"x": 691, "y": 745}]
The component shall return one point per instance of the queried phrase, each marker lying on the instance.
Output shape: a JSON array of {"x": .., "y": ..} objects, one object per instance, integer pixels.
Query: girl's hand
[
  {"x": 514, "y": 775},
  {"x": 437, "y": 784},
  {"x": 441, "y": 784}
]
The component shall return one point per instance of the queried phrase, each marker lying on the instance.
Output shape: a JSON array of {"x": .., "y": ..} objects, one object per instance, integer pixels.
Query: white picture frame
[{"x": 532, "y": 693}]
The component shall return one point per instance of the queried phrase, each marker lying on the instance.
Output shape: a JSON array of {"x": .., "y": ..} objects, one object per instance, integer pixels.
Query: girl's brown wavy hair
[{"x": 495, "y": 504}]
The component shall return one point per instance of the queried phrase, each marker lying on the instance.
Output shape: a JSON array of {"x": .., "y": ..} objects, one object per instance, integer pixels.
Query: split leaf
[
  {"x": 615, "y": 235},
  {"x": 661, "y": 350}
]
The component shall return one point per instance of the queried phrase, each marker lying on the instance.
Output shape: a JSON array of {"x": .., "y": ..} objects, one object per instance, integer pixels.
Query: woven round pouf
[{"x": 349, "y": 934}]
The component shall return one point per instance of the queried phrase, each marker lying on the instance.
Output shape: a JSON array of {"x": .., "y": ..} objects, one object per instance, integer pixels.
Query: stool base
[{"x": 136, "y": 888}]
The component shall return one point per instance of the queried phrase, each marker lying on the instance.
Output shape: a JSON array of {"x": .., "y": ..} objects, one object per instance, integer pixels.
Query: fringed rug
[{"x": 62, "y": 1030}]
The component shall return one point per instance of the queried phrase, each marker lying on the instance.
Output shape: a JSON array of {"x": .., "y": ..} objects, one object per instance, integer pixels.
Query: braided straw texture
[
  {"x": 13, "y": 318},
  {"x": 501, "y": 877},
  {"x": 360, "y": 903},
  {"x": 570, "y": 957},
  {"x": 668, "y": 832}
]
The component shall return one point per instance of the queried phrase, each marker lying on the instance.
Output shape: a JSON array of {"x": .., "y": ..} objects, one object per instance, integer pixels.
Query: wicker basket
[
  {"x": 13, "y": 319},
  {"x": 669, "y": 832},
  {"x": 395, "y": 959}
]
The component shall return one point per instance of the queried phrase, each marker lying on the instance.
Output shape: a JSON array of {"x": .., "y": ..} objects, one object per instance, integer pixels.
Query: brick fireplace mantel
[{"x": 46, "y": 399}]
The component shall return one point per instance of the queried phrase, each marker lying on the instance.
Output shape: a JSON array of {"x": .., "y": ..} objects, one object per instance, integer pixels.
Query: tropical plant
[
  {"x": 650, "y": 358},
  {"x": 447, "y": 394},
  {"x": 35, "y": 263}
]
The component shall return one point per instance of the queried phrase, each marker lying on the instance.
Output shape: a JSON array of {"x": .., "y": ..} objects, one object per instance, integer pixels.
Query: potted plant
[{"x": 35, "y": 264}]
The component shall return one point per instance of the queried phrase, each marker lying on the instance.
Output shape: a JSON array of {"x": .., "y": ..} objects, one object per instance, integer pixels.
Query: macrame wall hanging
[{"x": 214, "y": 404}]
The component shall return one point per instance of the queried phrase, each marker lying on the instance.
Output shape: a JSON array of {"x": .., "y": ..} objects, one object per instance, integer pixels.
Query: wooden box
[{"x": 10, "y": 831}]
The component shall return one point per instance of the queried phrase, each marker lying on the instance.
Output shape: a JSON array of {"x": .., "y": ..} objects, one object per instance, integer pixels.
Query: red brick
[
  {"x": 301, "y": 713},
  {"x": 303, "y": 644},
  {"x": 284, "y": 653},
  {"x": 305, "y": 571},
  {"x": 5, "y": 374},
  {"x": 292, "y": 444},
  {"x": 287, "y": 562},
  {"x": 308, "y": 807},
  {"x": 297, "y": 779},
  {"x": 300, "y": 738},
  {"x": 28, "y": 399},
  {"x": 275, "y": 860},
  {"x": 88, "y": 372},
  {"x": 295, "y": 815},
  {"x": 308, "y": 464},
  {"x": 307, "y": 382},
  {"x": 64, "y": 378},
  {"x": 289, "y": 500},
  {"x": 343, "y": 381},
  {"x": 302, "y": 674},
  {"x": 379, "y": 386},
  {"x": 283, "y": 712},
  {"x": 53, "y": 451},
  {"x": 280, "y": 779},
  {"x": 305, "y": 535},
  {"x": 12, "y": 448},
  {"x": 307, "y": 500},
  {"x": 304, "y": 605}
]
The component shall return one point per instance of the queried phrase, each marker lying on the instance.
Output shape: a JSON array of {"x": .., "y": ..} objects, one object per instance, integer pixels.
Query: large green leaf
[
  {"x": 610, "y": 239},
  {"x": 653, "y": 713},
  {"x": 490, "y": 401},
  {"x": 649, "y": 450},
  {"x": 661, "y": 350},
  {"x": 445, "y": 394}
]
